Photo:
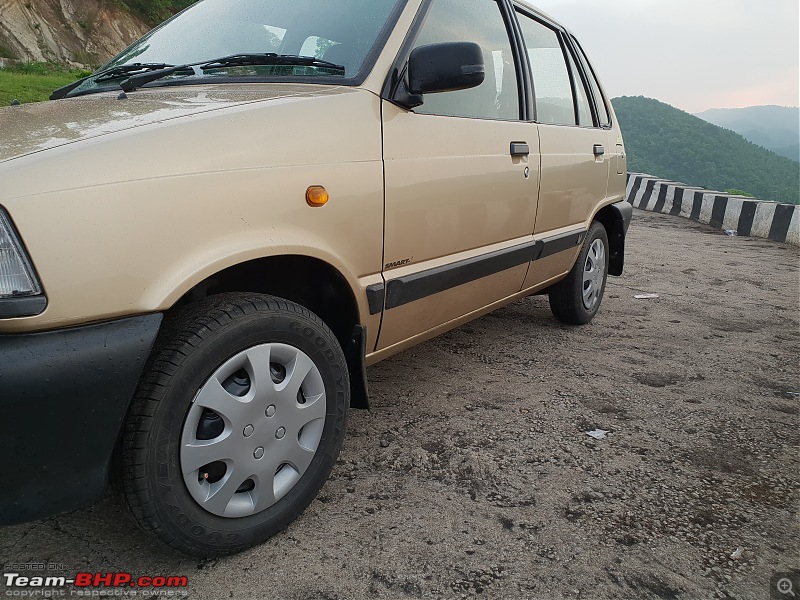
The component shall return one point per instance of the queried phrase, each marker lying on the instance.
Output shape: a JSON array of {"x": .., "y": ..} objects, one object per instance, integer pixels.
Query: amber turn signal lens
[{"x": 316, "y": 195}]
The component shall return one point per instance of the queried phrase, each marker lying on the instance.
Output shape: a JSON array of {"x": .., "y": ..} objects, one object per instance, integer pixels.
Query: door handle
[
  {"x": 520, "y": 149},
  {"x": 599, "y": 150}
]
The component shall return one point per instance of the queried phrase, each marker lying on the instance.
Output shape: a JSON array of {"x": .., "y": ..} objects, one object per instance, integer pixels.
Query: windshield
[{"x": 338, "y": 32}]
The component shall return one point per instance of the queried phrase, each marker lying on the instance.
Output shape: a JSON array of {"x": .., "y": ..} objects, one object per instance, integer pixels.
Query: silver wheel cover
[
  {"x": 594, "y": 272},
  {"x": 271, "y": 431}
]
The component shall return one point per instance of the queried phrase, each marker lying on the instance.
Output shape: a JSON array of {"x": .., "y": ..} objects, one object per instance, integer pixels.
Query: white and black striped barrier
[{"x": 745, "y": 216}]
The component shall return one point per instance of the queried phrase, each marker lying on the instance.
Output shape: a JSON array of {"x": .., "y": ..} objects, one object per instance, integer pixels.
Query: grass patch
[
  {"x": 739, "y": 193},
  {"x": 34, "y": 82}
]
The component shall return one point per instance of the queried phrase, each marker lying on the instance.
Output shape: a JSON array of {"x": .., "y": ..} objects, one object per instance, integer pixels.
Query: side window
[
  {"x": 602, "y": 111},
  {"x": 552, "y": 86},
  {"x": 478, "y": 21},
  {"x": 584, "y": 107}
]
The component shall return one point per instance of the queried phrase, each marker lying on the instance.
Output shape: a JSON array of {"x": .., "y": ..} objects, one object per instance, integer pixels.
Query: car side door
[
  {"x": 461, "y": 180},
  {"x": 573, "y": 144}
]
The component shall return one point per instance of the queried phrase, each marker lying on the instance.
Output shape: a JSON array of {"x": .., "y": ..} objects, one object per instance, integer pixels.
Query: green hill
[
  {"x": 667, "y": 142},
  {"x": 776, "y": 128}
]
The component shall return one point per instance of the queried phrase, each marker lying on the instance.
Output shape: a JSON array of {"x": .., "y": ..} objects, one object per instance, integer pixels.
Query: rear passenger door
[
  {"x": 573, "y": 132},
  {"x": 460, "y": 208}
]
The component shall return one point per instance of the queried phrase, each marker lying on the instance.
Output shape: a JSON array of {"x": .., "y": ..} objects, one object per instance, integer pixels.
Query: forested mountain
[
  {"x": 667, "y": 142},
  {"x": 776, "y": 128}
]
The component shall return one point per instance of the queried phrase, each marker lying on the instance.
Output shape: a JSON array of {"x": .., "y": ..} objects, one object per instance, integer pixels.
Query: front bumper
[{"x": 63, "y": 398}]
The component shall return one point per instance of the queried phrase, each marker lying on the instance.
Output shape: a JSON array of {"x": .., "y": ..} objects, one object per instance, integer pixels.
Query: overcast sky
[{"x": 693, "y": 54}]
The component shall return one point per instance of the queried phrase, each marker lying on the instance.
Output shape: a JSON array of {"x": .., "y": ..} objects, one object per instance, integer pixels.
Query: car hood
[{"x": 36, "y": 127}]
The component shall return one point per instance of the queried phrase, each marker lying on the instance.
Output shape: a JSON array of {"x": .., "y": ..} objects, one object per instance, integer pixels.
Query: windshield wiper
[
  {"x": 234, "y": 60},
  {"x": 107, "y": 75},
  {"x": 115, "y": 72},
  {"x": 269, "y": 59}
]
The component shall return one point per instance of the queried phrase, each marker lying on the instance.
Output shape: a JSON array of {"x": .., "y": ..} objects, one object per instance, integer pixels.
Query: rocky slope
[{"x": 78, "y": 32}]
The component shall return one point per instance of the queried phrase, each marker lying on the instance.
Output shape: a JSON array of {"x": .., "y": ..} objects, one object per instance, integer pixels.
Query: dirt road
[{"x": 473, "y": 475}]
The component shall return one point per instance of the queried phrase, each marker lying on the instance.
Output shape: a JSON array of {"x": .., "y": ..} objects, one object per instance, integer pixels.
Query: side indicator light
[{"x": 317, "y": 195}]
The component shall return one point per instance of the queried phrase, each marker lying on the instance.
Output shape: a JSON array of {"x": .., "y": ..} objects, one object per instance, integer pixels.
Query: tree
[{"x": 155, "y": 11}]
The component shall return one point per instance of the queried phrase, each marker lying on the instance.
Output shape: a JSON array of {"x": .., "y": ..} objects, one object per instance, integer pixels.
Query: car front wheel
[{"x": 236, "y": 425}]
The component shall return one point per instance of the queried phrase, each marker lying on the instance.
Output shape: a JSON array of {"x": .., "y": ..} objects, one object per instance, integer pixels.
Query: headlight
[{"x": 20, "y": 290}]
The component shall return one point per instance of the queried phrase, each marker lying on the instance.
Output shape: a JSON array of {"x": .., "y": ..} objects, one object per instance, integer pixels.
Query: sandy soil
[{"x": 473, "y": 476}]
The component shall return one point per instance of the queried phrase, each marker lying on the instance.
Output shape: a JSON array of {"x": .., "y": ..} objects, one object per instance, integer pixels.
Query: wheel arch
[
  {"x": 614, "y": 218},
  {"x": 308, "y": 281}
]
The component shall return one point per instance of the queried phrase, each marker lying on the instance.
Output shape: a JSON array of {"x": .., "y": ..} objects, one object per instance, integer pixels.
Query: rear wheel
[
  {"x": 236, "y": 425},
  {"x": 576, "y": 298}
]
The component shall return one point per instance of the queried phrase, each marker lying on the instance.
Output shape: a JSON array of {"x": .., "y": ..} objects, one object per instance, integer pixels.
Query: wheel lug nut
[
  {"x": 258, "y": 453},
  {"x": 248, "y": 431},
  {"x": 270, "y": 412},
  {"x": 280, "y": 433}
]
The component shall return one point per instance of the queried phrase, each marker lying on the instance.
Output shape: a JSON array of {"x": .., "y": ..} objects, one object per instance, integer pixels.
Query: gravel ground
[{"x": 473, "y": 476}]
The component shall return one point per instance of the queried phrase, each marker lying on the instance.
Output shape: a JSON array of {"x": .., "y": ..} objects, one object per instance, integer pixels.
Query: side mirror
[{"x": 445, "y": 67}]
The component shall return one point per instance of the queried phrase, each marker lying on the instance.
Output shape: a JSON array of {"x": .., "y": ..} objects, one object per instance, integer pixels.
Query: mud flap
[
  {"x": 355, "y": 354},
  {"x": 617, "y": 227}
]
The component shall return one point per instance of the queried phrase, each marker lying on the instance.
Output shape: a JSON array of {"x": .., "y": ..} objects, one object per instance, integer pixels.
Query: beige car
[{"x": 204, "y": 243}]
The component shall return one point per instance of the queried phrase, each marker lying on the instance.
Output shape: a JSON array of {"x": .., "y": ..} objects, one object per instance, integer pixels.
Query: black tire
[
  {"x": 192, "y": 347},
  {"x": 567, "y": 296}
]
